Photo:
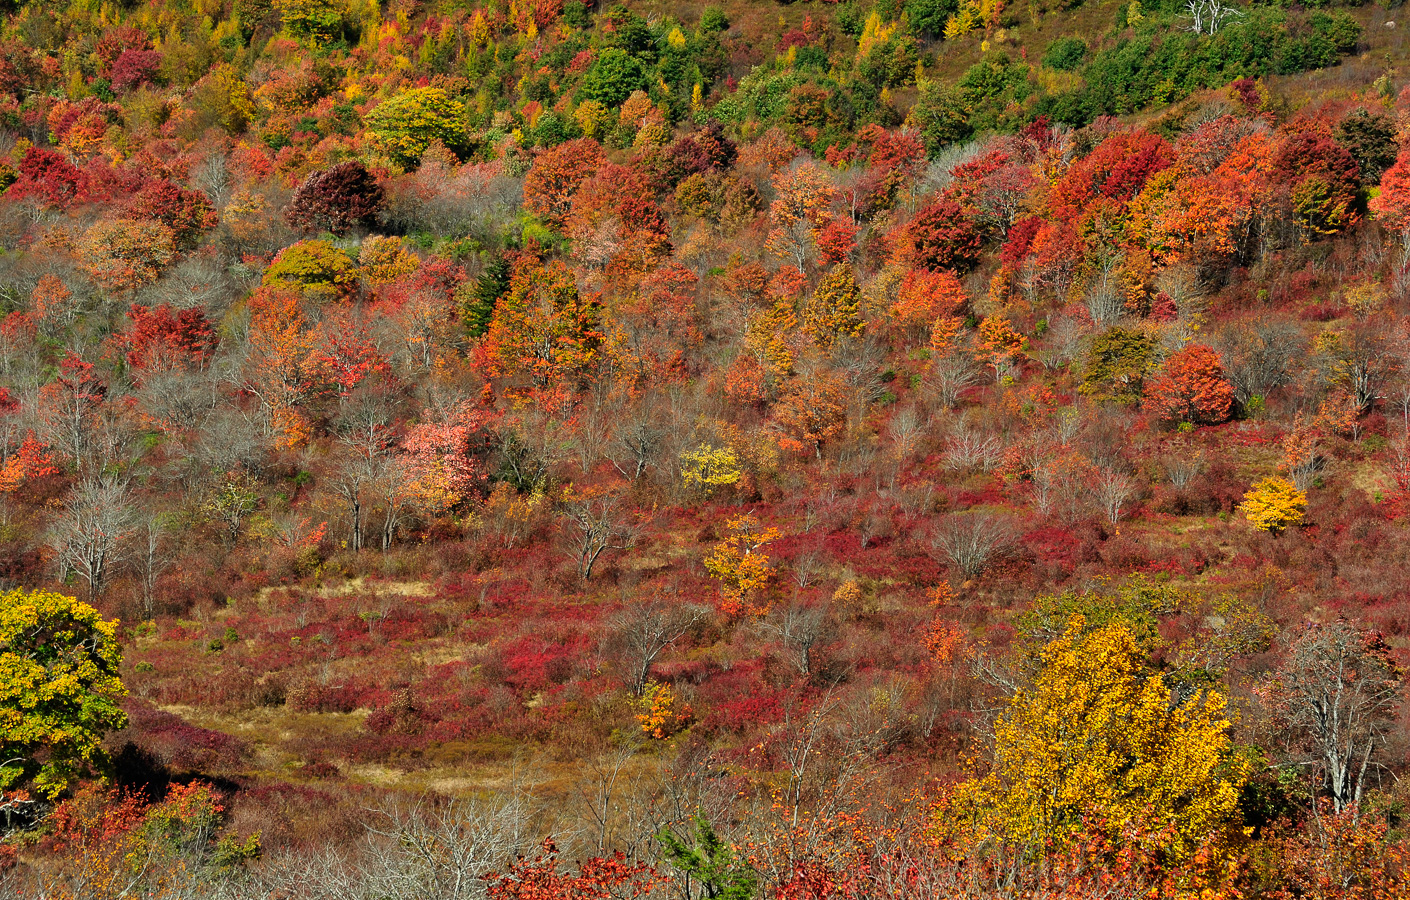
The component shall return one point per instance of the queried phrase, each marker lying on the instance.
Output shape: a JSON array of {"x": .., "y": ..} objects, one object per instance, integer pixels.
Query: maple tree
[
  {"x": 551, "y": 181},
  {"x": 123, "y": 255},
  {"x": 1191, "y": 387},
  {"x": 337, "y": 199}
]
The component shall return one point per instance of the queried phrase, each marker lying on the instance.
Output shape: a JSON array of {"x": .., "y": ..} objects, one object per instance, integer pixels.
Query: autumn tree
[
  {"x": 543, "y": 327},
  {"x": 799, "y": 209},
  {"x": 315, "y": 269},
  {"x": 834, "y": 309},
  {"x": 551, "y": 181},
  {"x": 1117, "y": 365},
  {"x": 123, "y": 255},
  {"x": 811, "y": 412},
  {"x": 59, "y": 689},
  {"x": 1191, "y": 387},
  {"x": 69, "y": 405},
  {"x": 1095, "y": 735},
  {"x": 277, "y": 367},
  {"x": 439, "y": 469},
  {"x": 599, "y": 878},
  {"x": 337, "y": 199},
  {"x": 188, "y": 213},
  {"x": 1274, "y": 505},
  {"x": 406, "y": 125},
  {"x": 742, "y": 567},
  {"x": 1342, "y": 689},
  {"x": 942, "y": 236}
]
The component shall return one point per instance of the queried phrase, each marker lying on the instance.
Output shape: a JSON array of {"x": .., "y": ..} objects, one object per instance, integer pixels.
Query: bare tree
[
  {"x": 971, "y": 540},
  {"x": 443, "y": 849},
  {"x": 153, "y": 559},
  {"x": 1341, "y": 685},
  {"x": 638, "y": 444},
  {"x": 598, "y": 524},
  {"x": 643, "y": 630},
  {"x": 801, "y": 628},
  {"x": 91, "y": 536},
  {"x": 365, "y": 439},
  {"x": 950, "y": 374},
  {"x": 1208, "y": 16},
  {"x": 1182, "y": 469},
  {"x": 1113, "y": 489}
]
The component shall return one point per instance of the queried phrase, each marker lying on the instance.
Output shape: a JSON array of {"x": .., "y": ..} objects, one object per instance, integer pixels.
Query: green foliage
[
  {"x": 404, "y": 126},
  {"x": 1370, "y": 139},
  {"x": 479, "y": 301},
  {"x": 613, "y": 77},
  {"x": 59, "y": 689},
  {"x": 1065, "y": 54},
  {"x": 942, "y": 114},
  {"x": 710, "y": 862},
  {"x": 314, "y": 20},
  {"x": 713, "y": 19},
  {"x": 1136, "y": 604},
  {"x": 927, "y": 17},
  {"x": 1117, "y": 365}
]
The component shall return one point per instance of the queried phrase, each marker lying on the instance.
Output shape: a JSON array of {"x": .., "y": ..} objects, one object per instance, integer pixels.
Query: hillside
[{"x": 785, "y": 450}]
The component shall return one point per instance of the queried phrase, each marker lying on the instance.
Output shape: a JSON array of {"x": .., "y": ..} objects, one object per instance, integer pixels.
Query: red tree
[{"x": 1191, "y": 387}]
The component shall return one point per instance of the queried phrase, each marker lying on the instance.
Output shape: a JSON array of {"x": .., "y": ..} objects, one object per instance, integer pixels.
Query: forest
[{"x": 819, "y": 450}]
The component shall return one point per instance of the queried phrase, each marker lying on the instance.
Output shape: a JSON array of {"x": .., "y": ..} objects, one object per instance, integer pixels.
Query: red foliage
[
  {"x": 599, "y": 878},
  {"x": 161, "y": 339},
  {"x": 941, "y": 236},
  {"x": 1191, "y": 387},
  {"x": 1117, "y": 169},
  {"x": 47, "y": 175},
  {"x": 187, "y": 213}
]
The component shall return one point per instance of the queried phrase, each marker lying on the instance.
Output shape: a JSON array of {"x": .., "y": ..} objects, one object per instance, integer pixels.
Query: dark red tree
[{"x": 336, "y": 199}]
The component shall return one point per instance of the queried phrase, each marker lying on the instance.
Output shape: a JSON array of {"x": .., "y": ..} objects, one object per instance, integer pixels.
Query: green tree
[
  {"x": 479, "y": 299},
  {"x": 59, "y": 689},
  {"x": 404, "y": 126},
  {"x": 613, "y": 77},
  {"x": 1117, "y": 365},
  {"x": 941, "y": 114},
  {"x": 710, "y": 862}
]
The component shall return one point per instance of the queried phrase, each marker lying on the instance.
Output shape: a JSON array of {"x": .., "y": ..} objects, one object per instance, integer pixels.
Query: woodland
[{"x": 551, "y": 450}]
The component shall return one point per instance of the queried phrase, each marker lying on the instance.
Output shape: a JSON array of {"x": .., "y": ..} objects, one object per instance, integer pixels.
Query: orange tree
[{"x": 1191, "y": 387}]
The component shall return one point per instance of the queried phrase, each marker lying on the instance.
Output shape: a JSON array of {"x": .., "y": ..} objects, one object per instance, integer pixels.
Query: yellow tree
[
  {"x": 742, "y": 567},
  {"x": 1095, "y": 736},
  {"x": 835, "y": 309},
  {"x": 1273, "y": 505}
]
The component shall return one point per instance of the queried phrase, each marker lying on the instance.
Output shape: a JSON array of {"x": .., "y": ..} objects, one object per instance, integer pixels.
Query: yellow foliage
[
  {"x": 1095, "y": 736},
  {"x": 874, "y": 33},
  {"x": 384, "y": 259},
  {"x": 740, "y": 563},
  {"x": 594, "y": 118},
  {"x": 660, "y": 712},
  {"x": 1273, "y": 505},
  {"x": 706, "y": 467}
]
